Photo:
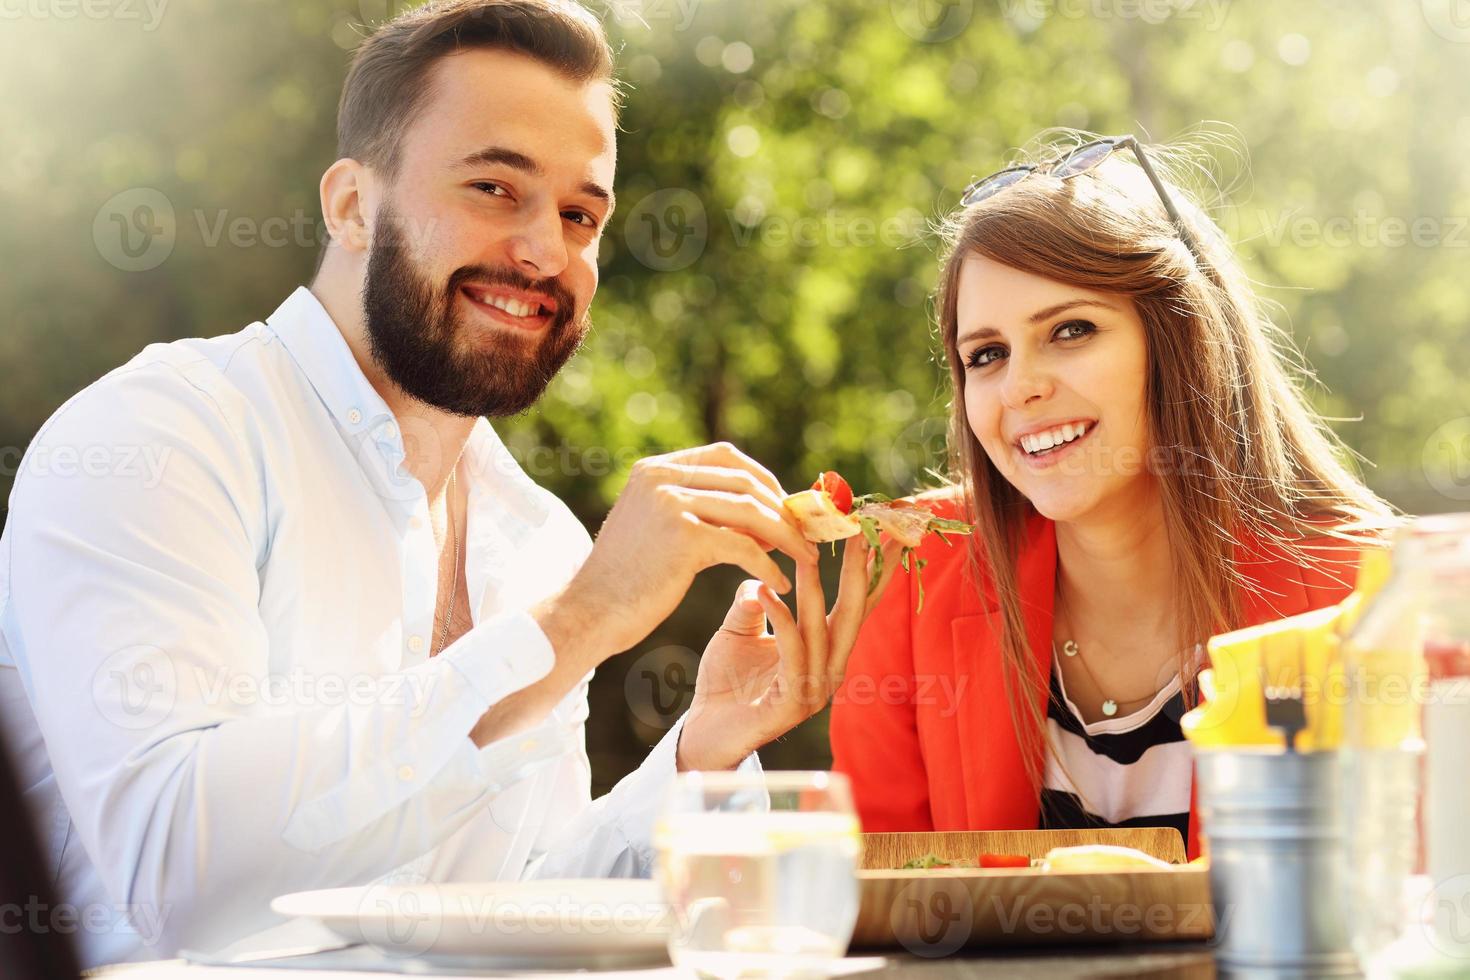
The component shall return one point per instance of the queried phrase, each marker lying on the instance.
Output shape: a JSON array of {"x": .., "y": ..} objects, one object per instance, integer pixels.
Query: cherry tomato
[{"x": 836, "y": 488}]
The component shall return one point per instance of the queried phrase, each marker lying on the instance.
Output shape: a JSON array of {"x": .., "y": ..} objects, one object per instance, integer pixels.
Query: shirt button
[
  {"x": 405, "y": 773},
  {"x": 354, "y": 416},
  {"x": 416, "y": 643}
]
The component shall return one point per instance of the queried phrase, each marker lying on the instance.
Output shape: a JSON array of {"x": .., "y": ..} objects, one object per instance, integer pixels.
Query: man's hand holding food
[{"x": 679, "y": 514}]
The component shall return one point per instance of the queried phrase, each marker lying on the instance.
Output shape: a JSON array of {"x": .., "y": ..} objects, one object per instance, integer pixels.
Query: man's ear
[{"x": 344, "y": 189}]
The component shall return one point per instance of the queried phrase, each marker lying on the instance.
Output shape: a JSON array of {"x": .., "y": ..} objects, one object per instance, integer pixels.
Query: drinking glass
[{"x": 761, "y": 872}]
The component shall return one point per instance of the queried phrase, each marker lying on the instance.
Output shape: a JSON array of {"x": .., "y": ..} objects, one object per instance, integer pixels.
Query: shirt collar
[
  {"x": 491, "y": 466},
  {"x": 319, "y": 349}
]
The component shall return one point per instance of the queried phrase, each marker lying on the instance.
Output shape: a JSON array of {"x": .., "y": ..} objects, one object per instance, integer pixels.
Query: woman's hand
[{"x": 753, "y": 686}]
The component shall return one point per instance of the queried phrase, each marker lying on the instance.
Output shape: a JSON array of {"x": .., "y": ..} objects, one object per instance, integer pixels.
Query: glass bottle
[{"x": 1406, "y": 751}]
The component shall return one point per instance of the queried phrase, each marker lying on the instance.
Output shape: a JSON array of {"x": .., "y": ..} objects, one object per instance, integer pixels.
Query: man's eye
[
  {"x": 1075, "y": 329},
  {"x": 489, "y": 188},
  {"x": 580, "y": 217},
  {"x": 981, "y": 356}
]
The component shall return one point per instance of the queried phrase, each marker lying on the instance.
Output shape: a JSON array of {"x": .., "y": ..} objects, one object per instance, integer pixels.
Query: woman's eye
[
  {"x": 981, "y": 356},
  {"x": 1075, "y": 329}
]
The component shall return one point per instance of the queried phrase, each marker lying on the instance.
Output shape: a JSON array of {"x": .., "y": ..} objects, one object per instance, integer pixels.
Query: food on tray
[
  {"x": 1065, "y": 860},
  {"x": 933, "y": 861},
  {"x": 1099, "y": 857},
  {"x": 829, "y": 512},
  {"x": 1005, "y": 861},
  {"x": 986, "y": 860}
]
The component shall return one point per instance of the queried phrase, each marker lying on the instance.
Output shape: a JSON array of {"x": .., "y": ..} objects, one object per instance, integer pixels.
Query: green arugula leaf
[
  {"x": 870, "y": 498},
  {"x": 942, "y": 526}
]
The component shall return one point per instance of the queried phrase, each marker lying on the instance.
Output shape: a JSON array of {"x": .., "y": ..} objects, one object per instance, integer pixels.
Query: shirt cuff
[
  {"x": 511, "y": 759},
  {"x": 640, "y": 796},
  {"x": 498, "y": 658},
  {"x": 502, "y": 656}
]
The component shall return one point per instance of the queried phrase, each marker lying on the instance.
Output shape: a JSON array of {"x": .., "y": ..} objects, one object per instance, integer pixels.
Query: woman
[{"x": 1142, "y": 472}]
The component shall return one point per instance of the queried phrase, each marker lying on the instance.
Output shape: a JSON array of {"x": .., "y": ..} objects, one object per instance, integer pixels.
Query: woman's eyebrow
[{"x": 985, "y": 333}]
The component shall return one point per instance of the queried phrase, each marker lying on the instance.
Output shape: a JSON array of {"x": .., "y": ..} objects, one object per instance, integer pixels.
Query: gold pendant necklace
[
  {"x": 1109, "y": 705},
  {"x": 454, "y": 586},
  {"x": 1072, "y": 651}
]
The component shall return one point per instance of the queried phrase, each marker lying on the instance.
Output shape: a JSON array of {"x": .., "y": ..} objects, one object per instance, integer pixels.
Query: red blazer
[{"x": 921, "y": 724}]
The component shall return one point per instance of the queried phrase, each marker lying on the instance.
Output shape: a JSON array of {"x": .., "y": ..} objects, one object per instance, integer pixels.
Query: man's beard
[{"x": 422, "y": 343}]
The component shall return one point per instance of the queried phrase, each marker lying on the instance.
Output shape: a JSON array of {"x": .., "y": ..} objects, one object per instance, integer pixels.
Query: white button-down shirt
[{"x": 217, "y": 591}]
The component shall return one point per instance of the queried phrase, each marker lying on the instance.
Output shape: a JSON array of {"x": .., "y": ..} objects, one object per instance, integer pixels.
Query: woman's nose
[{"x": 1025, "y": 382}]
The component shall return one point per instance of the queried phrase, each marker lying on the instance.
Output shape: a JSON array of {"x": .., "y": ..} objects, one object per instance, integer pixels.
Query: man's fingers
[
  {"x": 726, "y": 478},
  {"x": 746, "y": 514},
  {"x": 723, "y": 546},
  {"x": 746, "y": 616},
  {"x": 725, "y": 454},
  {"x": 811, "y": 619},
  {"x": 854, "y": 601},
  {"x": 892, "y": 551},
  {"x": 851, "y": 606},
  {"x": 779, "y": 615},
  {"x": 789, "y": 645}
]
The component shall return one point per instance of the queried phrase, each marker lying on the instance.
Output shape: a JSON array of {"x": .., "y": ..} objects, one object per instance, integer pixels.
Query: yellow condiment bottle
[
  {"x": 1294, "y": 651},
  {"x": 1305, "y": 649},
  {"x": 1374, "y": 567}
]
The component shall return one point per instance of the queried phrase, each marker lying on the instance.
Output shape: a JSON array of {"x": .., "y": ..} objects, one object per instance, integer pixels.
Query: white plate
[{"x": 564, "y": 923}]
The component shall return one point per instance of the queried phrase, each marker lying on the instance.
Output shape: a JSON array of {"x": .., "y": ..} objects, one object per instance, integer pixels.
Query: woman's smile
[{"x": 1043, "y": 449}]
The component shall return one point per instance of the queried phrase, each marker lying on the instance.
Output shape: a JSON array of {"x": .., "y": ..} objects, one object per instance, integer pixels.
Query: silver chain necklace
[{"x": 453, "y": 588}]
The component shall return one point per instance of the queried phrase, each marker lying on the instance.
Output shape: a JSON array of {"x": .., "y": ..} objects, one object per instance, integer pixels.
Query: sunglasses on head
[{"x": 1078, "y": 161}]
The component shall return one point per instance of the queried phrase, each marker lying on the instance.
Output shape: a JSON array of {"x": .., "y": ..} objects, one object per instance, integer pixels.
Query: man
[{"x": 344, "y": 635}]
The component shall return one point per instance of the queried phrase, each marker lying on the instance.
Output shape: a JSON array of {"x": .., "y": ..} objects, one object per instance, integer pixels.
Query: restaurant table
[{"x": 1154, "y": 961}]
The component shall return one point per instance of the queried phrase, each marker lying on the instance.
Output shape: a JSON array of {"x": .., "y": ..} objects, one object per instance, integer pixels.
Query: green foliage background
[{"x": 819, "y": 141}]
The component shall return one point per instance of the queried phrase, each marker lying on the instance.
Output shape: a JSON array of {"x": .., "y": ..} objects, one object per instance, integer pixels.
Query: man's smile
[{"x": 517, "y": 308}]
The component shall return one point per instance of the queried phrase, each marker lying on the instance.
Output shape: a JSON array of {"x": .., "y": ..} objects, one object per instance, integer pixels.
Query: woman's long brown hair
[{"x": 1244, "y": 456}]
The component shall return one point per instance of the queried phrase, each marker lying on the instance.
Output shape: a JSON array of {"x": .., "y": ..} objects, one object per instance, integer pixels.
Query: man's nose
[{"x": 537, "y": 247}]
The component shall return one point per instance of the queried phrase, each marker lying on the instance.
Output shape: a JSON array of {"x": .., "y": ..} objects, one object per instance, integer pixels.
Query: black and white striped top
[{"x": 1132, "y": 770}]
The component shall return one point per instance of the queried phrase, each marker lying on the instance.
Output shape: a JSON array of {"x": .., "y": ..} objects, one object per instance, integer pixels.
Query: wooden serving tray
[{"x": 935, "y": 911}]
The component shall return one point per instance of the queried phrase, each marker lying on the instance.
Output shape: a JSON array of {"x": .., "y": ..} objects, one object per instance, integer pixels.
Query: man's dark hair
[{"x": 388, "y": 81}]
